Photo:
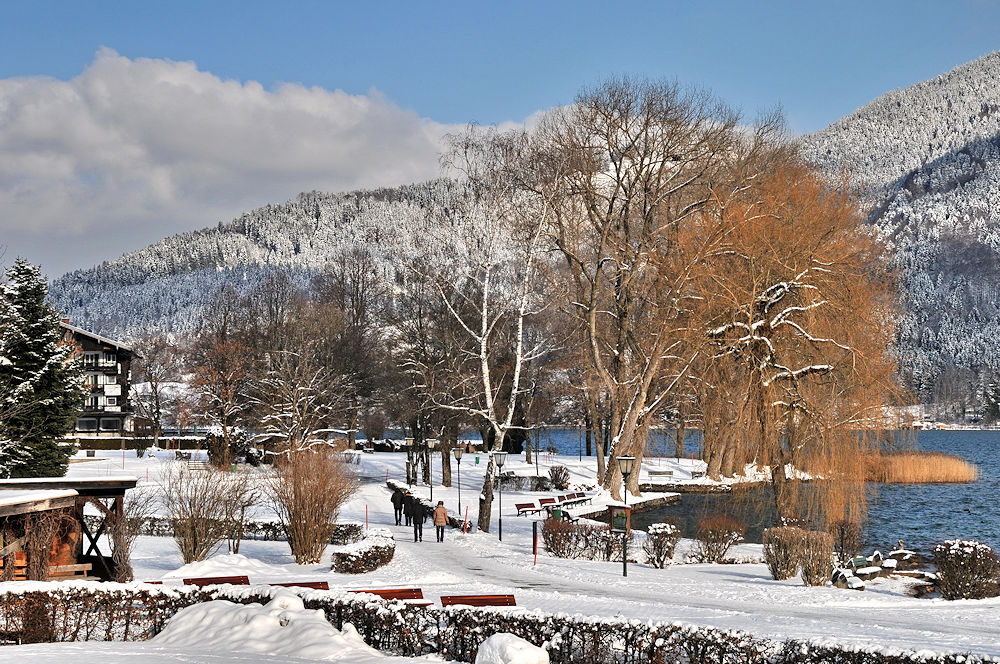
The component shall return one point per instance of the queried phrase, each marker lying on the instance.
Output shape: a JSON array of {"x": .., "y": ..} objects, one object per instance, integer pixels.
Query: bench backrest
[
  {"x": 394, "y": 593},
  {"x": 546, "y": 501},
  {"x": 217, "y": 580},
  {"x": 563, "y": 498},
  {"x": 478, "y": 600},
  {"x": 523, "y": 506},
  {"x": 315, "y": 585}
]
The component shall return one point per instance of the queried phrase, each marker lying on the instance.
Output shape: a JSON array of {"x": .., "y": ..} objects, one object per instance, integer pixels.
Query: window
[
  {"x": 110, "y": 359},
  {"x": 92, "y": 402},
  {"x": 111, "y": 401},
  {"x": 92, "y": 380},
  {"x": 110, "y": 424},
  {"x": 91, "y": 359},
  {"x": 86, "y": 424}
]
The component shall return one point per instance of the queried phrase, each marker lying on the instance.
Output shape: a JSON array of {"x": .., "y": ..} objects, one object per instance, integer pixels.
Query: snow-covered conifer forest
[{"x": 926, "y": 160}]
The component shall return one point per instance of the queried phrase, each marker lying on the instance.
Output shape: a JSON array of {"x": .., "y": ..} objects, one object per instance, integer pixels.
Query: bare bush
[
  {"x": 716, "y": 534},
  {"x": 783, "y": 551},
  {"x": 966, "y": 569},
  {"x": 307, "y": 493},
  {"x": 139, "y": 505},
  {"x": 242, "y": 495},
  {"x": 848, "y": 539},
  {"x": 196, "y": 503},
  {"x": 661, "y": 540},
  {"x": 817, "y": 558},
  {"x": 560, "y": 477},
  {"x": 40, "y": 531}
]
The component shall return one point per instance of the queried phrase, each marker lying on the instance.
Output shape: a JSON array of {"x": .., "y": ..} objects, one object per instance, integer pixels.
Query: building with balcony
[{"x": 107, "y": 365}]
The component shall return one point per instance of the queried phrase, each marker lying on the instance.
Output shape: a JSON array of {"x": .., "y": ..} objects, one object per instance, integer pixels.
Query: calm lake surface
[{"x": 920, "y": 515}]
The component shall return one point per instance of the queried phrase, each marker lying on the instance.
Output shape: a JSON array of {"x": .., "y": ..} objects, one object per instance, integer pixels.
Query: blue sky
[
  {"x": 123, "y": 122},
  {"x": 456, "y": 62}
]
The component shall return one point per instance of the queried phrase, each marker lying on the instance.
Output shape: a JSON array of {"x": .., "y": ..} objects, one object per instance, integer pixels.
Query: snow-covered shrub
[
  {"x": 347, "y": 533},
  {"x": 661, "y": 540},
  {"x": 504, "y": 648},
  {"x": 783, "y": 551},
  {"x": 374, "y": 551},
  {"x": 817, "y": 558},
  {"x": 848, "y": 539},
  {"x": 582, "y": 540},
  {"x": 716, "y": 534},
  {"x": 560, "y": 477},
  {"x": 540, "y": 483},
  {"x": 966, "y": 569}
]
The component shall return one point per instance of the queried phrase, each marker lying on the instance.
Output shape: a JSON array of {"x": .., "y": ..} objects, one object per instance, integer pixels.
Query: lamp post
[
  {"x": 625, "y": 466},
  {"x": 499, "y": 458},
  {"x": 458, "y": 451}
]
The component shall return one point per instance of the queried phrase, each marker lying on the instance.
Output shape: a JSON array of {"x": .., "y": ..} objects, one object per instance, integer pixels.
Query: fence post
[{"x": 534, "y": 538}]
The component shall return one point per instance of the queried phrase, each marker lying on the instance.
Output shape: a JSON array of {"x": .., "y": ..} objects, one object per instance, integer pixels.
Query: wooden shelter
[{"x": 76, "y": 546}]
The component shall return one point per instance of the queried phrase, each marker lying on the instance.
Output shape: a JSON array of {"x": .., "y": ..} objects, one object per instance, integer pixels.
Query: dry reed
[{"x": 920, "y": 468}]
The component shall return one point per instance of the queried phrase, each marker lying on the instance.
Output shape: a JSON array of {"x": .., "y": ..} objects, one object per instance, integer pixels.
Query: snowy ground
[{"x": 728, "y": 596}]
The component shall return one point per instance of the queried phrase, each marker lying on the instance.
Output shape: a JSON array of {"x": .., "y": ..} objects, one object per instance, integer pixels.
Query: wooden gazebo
[{"x": 76, "y": 549}]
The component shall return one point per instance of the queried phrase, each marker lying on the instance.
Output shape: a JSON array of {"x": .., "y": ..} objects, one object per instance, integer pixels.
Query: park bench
[
  {"x": 695, "y": 474},
  {"x": 478, "y": 600},
  {"x": 69, "y": 571},
  {"x": 660, "y": 473},
  {"x": 182, "y": 456},
  {"x": 527, "y": 508},
  {"x": 315, "y": 585},
  {"x": 217, "y": 580},
  {"x": 413, "y": 596},
  {"x": 546, "y": 502}
]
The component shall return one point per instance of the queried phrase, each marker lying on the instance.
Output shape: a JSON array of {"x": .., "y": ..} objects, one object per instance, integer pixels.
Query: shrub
[
  {"x": 539, "y": 483},
  {"x": 783, "y": 551},
  {"x": 374, "y": 551},
  {"x": 196, "y": 503},
  {"x": 661, "y": 540},
  {"x": 848, "y": 539},
  {"x": 716, "y": 534},
  {"x": 307, "y": 492},
  {"x": 561, "y": 538},
  {"x": 560, "y": 477},
  {"x": 966, "y": 569},
  {"x": 817, "y": 558},
  {"x": 581, "y": 540},
  {"x": 138, "y": 505},
  {"x": 347, "y": 533}
]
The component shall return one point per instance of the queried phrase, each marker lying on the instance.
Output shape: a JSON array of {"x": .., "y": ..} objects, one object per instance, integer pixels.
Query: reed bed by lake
[{"x": 920, "y": 468}]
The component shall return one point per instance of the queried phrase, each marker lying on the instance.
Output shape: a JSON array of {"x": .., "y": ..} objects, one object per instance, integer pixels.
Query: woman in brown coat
[{"x": 440, "y": 519}]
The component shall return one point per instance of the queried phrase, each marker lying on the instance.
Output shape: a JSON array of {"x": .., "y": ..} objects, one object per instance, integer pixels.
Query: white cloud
[{"x": 132, "y": 150}]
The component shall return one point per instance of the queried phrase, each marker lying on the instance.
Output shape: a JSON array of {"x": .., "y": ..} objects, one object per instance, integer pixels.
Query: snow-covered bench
[
  {"x": 660, "y": 473},
  {"x": 478, "y": 600},
  {"x": 527, "y": 508},
  {"x": 201, "y": 582}
]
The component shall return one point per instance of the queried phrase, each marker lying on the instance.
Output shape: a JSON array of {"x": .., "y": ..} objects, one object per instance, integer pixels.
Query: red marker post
[{"x": 466, "y": 519}]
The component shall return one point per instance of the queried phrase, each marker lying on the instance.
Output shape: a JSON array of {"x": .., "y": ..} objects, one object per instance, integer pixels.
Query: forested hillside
[
  {"x": 927, "y": 162},
  {"x": 164, "y": 286}
]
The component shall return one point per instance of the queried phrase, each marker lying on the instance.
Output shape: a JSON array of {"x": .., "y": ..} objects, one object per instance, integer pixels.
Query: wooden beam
[
  {"x": 13, "y": 547},
  {"x": 43, "y": 505}
]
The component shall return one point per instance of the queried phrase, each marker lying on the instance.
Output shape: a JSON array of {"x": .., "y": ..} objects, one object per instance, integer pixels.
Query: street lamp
[
  {"x": 458, "y": 451},
  {"x": 625, "y": 466},
  {"x": 499, "y": 458}
]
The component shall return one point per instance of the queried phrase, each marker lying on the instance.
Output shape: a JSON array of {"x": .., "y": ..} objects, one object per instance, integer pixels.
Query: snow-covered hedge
[
  {"x": 77, "y": 611},
  {"x": 271, "y": 531},
  {"x": 588, "y": 541},
  {"x": 374, "y": 551}
]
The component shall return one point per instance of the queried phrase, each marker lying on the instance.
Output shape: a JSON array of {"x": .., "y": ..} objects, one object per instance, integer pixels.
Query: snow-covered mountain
[
  {"x": 926, "y": 159},
  {"x": 164, "y": 286},
  {"x": 927, "y": 162}
]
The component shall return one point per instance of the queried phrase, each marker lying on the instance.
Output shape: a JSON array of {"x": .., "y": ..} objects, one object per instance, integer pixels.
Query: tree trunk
[
  {"x": 486, "y": 498},
  {"x": 594, "y": 417},
  {"x": 352, "y": 433},
  {"x": 590, "y": 432},
  {"x": 446, "y": 463},
  {"x": 679, "y": 436}
]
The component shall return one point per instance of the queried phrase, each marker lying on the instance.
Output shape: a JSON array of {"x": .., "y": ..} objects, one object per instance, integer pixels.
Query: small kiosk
[{"x": 620, "y": 517}]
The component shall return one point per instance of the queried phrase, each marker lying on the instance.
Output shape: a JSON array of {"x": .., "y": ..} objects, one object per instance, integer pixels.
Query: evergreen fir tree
[{"x": 40, "y": 382}]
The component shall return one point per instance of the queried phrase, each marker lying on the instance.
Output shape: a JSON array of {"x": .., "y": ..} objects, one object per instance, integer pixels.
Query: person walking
[
  {"x": 408, "y": 507},
  {"x": 397, "y": 504},
  {"x": 440, "y": 520},
  {"x": 416, "y": 515}
]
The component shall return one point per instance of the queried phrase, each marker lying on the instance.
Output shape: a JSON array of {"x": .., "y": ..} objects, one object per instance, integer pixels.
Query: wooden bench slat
[
  {"x": 478, "y": 600},
  {"x": 217, "y": 580},
  {"x": 394, "y": 593},
  {"x": 315, "y": 585}
]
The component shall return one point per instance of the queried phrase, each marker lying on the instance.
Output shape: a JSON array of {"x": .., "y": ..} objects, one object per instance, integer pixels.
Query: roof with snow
[
  {"x": 97, "y": 337},
  {"x": 26, "y": 501}
]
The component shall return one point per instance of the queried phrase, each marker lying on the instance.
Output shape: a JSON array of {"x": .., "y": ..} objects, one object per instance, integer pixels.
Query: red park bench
[
  {"x": 527, "y": 508},
  {"x": 217, "y": 580},
  {"x": 478, "y": 600},
  {"x": 397, "y": 593},
  {"x": 315, "y": 585}
]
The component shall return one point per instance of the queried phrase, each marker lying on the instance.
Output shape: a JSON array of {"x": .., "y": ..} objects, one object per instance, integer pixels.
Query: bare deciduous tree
[{"x": 137, "y": 506}]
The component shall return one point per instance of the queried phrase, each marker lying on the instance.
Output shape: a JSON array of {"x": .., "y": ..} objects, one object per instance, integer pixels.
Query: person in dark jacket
[
  {"x": 407, "y": 508},
  {"x": 416, "y": 514},
  {"x": 397, "y": 504}
]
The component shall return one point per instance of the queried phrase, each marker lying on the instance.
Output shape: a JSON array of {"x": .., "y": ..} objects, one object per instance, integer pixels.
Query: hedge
[{"x": 81, "y": 610}]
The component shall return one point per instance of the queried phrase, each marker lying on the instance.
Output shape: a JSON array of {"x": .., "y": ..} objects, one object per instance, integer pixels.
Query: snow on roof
[
  {"x": 11, "y": 497},
  {"x": 103, "y": 340}
]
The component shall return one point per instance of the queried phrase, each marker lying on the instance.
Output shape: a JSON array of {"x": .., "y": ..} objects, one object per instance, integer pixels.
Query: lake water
[{"x": 920, "y": 514}]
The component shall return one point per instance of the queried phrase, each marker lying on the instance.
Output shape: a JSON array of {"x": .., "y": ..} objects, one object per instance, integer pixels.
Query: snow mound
[
  {"x": 505, "y": 648},
  {"x": 230, "y": 564},
  {"x": 281, "y": 627}
]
